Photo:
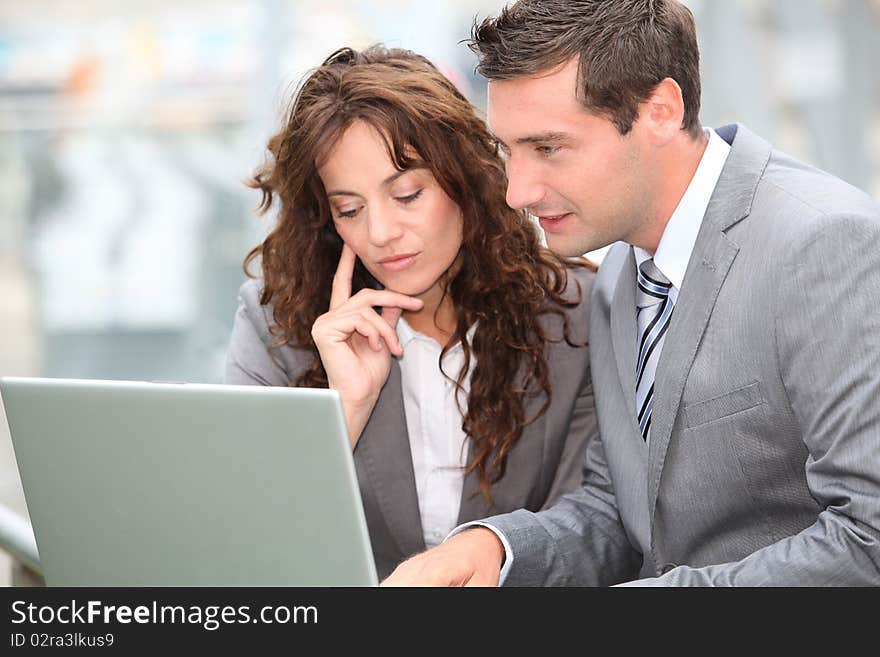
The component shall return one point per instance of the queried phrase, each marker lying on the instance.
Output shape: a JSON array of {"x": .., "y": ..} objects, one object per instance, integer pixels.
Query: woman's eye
[
  {"x": 346, "y": 214},
  {"x": 409, "y": 198},
  {"x": 547, "y": 150}
]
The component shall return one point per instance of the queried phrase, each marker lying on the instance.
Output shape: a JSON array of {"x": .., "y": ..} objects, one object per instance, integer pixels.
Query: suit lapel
[
  {"x": 710, "y": 261},
  {"x": 511, "y": 491},
  {"x": 384, "y": 448},
  {"x": 624, "y": 331},
  {"x": 709, "y": 264},
  {"x": 471, "y": 499}
]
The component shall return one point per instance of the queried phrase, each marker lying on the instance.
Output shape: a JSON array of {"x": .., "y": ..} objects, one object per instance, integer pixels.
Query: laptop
[{"x": 157, "y": 484}]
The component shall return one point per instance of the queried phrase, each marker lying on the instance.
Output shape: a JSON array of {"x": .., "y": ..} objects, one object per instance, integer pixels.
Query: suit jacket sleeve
[
  {"x": 249, "y": 360},
  {"x": 582, "y": 430},
  {"x": 580, "y": 541},
  {"x": 827, "y": 331},
  {"x": 583, "y": 425}
]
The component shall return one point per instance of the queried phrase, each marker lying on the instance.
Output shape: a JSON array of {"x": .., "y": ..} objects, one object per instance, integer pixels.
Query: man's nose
[{"x": 523, "y": 187}]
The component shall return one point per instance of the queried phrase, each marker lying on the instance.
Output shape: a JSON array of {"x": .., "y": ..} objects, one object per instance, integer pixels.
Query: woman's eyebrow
[
  {"x": 341, "y": 192},
  {"x": 390, "y": 179}
]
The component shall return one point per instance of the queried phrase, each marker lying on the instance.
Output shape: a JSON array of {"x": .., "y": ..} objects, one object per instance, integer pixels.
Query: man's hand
[{"x": 471, "y": 558}]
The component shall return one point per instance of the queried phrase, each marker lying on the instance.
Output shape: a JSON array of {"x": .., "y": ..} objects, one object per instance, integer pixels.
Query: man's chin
[
  {"x": 574, "y": 246},
  {"x": 566, "y": 248}
]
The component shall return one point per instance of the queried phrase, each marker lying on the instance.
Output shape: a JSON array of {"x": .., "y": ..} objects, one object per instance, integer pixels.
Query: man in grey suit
[{"x": 735, "y": 337}]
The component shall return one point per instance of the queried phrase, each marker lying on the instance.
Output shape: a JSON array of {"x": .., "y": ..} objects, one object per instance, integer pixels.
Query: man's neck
[{"x": 677, "y": 167}]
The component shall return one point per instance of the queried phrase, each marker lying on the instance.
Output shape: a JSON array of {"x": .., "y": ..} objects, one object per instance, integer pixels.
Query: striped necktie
[{"x": 654, "y": 312}]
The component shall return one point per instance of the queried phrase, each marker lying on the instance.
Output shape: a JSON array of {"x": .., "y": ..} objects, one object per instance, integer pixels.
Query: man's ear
[{"x": 662, "y": 112}]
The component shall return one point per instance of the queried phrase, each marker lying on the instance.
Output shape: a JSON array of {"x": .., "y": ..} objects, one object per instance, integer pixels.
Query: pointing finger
[{"x": 341, "y": 290}]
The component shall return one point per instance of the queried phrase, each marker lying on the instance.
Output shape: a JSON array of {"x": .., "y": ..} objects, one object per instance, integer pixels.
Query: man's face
[{"x": 588, "y": 185}]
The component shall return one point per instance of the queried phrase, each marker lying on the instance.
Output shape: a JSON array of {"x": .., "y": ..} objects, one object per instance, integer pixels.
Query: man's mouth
[{"x": 552, "y": 222}]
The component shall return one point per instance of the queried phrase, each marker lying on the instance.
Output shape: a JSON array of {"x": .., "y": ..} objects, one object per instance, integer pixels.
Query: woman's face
[{"x": 402, "y": 225}]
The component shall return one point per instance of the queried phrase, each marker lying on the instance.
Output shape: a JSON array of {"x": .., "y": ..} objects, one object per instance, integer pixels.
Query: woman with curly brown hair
[{"x": 398, "y": 276}]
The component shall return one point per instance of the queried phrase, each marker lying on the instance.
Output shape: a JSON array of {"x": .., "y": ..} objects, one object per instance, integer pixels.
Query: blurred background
[{"x": 126, "y": 129}]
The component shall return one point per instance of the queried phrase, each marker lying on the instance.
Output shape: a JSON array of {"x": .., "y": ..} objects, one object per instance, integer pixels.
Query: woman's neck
[{"x": 437, "y": 317}]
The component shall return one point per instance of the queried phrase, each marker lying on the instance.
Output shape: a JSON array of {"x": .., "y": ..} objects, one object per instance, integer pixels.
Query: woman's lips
[
  {"x": 553, "y": 223},
  {"x": 398, "y": 263}
]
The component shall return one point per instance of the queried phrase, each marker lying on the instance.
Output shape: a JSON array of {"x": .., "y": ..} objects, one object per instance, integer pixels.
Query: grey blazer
[
  {"x": 546, "y": 462},
  {"x": 764, "y": 461}
]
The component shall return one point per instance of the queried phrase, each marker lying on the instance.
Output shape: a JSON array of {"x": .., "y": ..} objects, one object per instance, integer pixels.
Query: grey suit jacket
[
  {"x": 546, "y": 462},
  {"x": 764, "y": 461}
]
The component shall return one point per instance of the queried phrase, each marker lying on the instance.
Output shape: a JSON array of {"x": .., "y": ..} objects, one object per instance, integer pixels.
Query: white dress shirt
[
  {"x": 439, "y": 447},
  {"x": 680, "y": 235},
  {"x": 673, "y": 253}
]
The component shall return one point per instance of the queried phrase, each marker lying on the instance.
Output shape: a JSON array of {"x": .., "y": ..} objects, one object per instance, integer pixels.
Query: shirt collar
[
  {"x": 680, "y": 235},
  {"x": 406, "y": 334}
]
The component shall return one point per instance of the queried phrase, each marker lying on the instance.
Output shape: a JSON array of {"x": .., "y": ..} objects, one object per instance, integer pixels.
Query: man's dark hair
[{"x": 625, "y": 49}]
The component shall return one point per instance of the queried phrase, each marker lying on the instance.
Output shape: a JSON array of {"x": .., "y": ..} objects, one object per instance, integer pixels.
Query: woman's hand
[{"x": 356, "y": 343}]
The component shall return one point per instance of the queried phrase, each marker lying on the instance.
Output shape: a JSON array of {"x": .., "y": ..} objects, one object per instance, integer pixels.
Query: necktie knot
[{"x": 653, "y": 286}]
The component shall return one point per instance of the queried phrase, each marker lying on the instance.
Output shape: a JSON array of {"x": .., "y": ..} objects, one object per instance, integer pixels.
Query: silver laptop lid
[{"x": 144, "y": 484}]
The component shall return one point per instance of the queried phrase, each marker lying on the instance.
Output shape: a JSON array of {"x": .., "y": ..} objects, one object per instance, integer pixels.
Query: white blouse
[{"x": 438, "y": 445}]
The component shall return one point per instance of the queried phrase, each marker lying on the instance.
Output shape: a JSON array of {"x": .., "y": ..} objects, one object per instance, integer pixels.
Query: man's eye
[
  {"x": 409, "y": 198},
  {"x": 546, "y": 150}
]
